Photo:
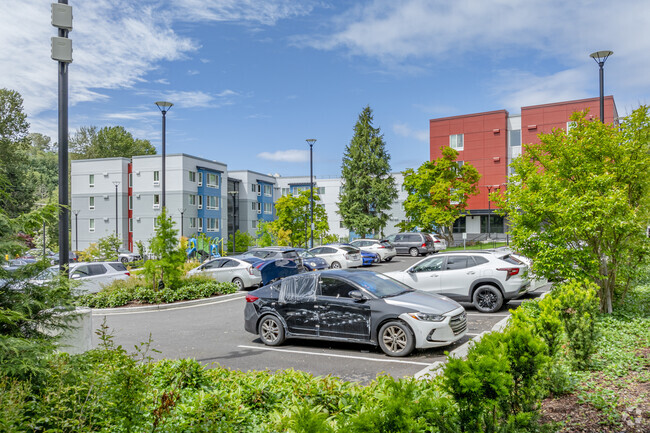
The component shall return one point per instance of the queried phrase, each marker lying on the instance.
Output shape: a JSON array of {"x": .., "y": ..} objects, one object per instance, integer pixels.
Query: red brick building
[{"x": 490, "y": 140}]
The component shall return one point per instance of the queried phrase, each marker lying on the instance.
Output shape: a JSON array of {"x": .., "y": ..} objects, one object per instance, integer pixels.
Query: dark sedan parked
[{"x": 355, "y": 306}]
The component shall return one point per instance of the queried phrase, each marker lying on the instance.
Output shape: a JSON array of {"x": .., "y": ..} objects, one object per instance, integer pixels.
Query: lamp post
[
  {"x": 164, "y": 107},
  {"x": 600, "y": 57},
  {"x": 182, "y": 211},
  {"x": 311, "y": 142},
  {"x": 235, "y": 217},
  {"x": 489, "y": 188},
  {"x": 76, "y": 229},
  {"x": 116, "y": 183}
]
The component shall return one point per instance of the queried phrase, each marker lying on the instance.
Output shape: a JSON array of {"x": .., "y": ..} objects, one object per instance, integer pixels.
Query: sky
[{"x": 251, "y": 80}]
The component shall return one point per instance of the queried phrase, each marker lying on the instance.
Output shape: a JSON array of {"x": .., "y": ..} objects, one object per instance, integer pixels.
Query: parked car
[
  {"x": 483, "y": 278},
  {"x": 230, "y": 270},
  {"x": 368, "y": 258},
  {"x": 339, "y": 256},
  {"x": 384, "y": 248},
  {"x": 310, "y": 261},
  {"x": 92, "y": 277},
  {"x": 353, "y": 305},
  {"x": 412, "y": 243},
  {"x": 439, "y": 243},
  {"x": 125, "y": 256},
  {"x": 267, "y": 253}
]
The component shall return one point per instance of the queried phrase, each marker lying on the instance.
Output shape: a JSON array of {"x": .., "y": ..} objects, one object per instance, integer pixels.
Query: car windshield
[
  {"x": 48, "y": 274},
  {"x": 379, "y": 284}
]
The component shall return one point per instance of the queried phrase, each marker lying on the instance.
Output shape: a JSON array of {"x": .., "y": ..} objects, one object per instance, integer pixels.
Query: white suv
[
  {"x": 383, "y": 248},
  {"x": 92, "y": 276},
  {"x": 484, "y": 278}
]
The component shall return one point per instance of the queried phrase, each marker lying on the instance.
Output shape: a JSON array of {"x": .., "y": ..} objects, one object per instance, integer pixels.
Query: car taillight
[
  {"x": 381, "y": 246},
  {"x": 424, "y": 245},
  {"x": 436, "y": 241},
  {"x": 127, "y": 274},
  {"x": 510, "y": 271},
  {"x": 250, "y": 270},
  {"x": 251, "y": 298}
]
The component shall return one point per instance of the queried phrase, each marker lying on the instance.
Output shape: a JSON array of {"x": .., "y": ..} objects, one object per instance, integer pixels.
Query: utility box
[
  {"x": 62, "y": 49},
  {"x": 62, "y": 16}
]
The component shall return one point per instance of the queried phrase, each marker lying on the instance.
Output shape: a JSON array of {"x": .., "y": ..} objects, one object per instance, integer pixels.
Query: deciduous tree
[
  {"x": 293, "y": 218},
  {"x": 438, "y": 193},
  {"x": 108, "y": 142},
  {"x": 368, "y": 189},
  {"x": 579, "y": 202}
]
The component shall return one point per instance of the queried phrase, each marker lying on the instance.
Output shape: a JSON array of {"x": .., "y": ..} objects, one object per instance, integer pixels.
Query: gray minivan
[{"x": 414, "y": 243}]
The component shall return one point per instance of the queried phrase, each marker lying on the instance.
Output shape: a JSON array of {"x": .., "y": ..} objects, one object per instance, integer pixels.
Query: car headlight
[{"x": 427, "y": 317}]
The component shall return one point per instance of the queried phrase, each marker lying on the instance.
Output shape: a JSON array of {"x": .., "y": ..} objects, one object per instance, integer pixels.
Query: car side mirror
[
  {"x": 75, "y": 276},
  {"x": 356, "y": 295},
  {"x": 410, "y": 270}
]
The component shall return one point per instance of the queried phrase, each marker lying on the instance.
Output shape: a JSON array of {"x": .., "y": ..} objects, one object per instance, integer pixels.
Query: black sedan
[{"x": 353, "y": 306}]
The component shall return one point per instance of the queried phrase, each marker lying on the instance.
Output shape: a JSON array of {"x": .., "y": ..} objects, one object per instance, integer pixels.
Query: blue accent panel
[
  {"x": 209, "y": 191},
  {"x": 264, "y": 199}
]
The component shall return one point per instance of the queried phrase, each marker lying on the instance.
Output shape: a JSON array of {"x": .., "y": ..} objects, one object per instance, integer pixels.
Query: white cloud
[
  {"x": 162, "y": 81},
  {"x": 193, "y": 72},
  {"x": 263, "y": 12},
  {"x": 292, "y": 155},
  {"x": 405, "y": 131}
]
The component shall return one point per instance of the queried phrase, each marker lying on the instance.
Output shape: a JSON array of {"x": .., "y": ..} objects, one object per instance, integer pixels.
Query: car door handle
[
  {"x": 433, "y": 276},
  {"x": 471, "y": 272}
]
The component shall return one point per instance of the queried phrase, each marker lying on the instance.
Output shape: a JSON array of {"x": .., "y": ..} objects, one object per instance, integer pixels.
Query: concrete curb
[
  {"x": 461, "y": 351},
  {"x": 157, "y": 307}
]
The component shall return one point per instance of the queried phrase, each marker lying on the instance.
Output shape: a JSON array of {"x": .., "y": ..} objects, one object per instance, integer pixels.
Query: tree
[
  {"x": 14, "y": 160},
  {"x": 579, "y": 202},
  {"x": 438, "y": 194},
  {"x": 368, "y": 188},
  {"x": 293, "y": 218},
  {"x": 167, "y": 267},
  {"x": 108, "y": 142}
]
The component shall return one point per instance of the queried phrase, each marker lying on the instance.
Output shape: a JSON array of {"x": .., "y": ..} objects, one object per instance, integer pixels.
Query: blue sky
[{"x": 252, "y": 79}]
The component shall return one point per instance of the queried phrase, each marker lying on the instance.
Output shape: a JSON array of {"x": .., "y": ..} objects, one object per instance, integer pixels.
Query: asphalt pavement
[{"x": 212, "y": 332}]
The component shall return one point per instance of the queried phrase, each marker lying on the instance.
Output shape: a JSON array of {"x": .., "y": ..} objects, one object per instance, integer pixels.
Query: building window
[
  {"x": 91, "y": 180},
  {"x": 320, "y": 190},
  {"x": 155, "y": 223},
  {"x": 130, "y": 202},
  {"x": 285, "y": 191},
  {"x": 570, "y": 125},
  {"x": 256, "y": 207},
  {"x": 212, "y": 202},
  {"x": 130, "y": 180},
  {"x": 212, "y": 180},
  {"x": 192, "y": 200},
  {"x": 200, "y": 221},
  {"x": 460, "y": 225},
  {"x": 268, "y": 208},
  {"x": 212, "y": 224},
  {"x": 130, "y": 224},
  {"x": 460, "y": 164},
  {"x": 268, "y": 190},
  {"x": 91, "y": 225},
  {"x": 256, "y": 188},
  {"x": 341, "y": 226},
  {"x": 200, "y": 202},
  {"x": 192, "y": 222},
  {"x": 254, "y": 224},
  {"x": 456, "y": 141},
  {"x": 192, "y": 176},
  {"x": 156, "y": 176},
  {"x": 496, "y": 224},
  {"x": 91, "y": 203},
  {"x": 515, "y": 137},
  {"x": 200, "y": 179},
  {"x": 156, "y": 201}
]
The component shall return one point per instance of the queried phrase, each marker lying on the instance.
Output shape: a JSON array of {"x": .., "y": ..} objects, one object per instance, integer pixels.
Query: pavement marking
[
  {"x": 169, "y": 309},
  {"x": 471, "y": 335},
  {"x": 335, "y": 355},
  {"x": 488, "y": 315}
]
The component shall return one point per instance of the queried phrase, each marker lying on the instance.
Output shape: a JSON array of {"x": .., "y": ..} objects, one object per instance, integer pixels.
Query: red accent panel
[{"x": 129, "y": 211}]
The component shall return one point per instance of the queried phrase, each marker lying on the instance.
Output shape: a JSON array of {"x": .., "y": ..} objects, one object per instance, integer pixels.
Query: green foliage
[
  {"x": 293, "y": 219},
  {"x": 579, "y": 207},
  {"x": 438, "y": 193},
  {"x": 244, "y": 241},
  {"x": 139, "y": 245},
  {"x": 368, "y": 189},
  {"x": 138, "y": 291},
  {"x": 170, "y": 256},
  {"x": 108, "y": 142}
]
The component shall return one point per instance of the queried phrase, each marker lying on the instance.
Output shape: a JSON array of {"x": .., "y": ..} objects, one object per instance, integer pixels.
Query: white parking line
[
  {"x": 335, "y": 355},
  {"x": 99, "y": 313},
  {"x": 488, "y": 315}
]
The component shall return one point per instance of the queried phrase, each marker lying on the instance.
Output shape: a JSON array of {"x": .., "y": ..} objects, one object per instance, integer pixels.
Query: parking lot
[{"x": 213, "y": 333}]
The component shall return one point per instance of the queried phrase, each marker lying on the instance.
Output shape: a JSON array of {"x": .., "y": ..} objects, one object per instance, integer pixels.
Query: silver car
[
  {"x": 230, "y": 270},
  {"x": 383, "y": 248},
  {"x": 92, "y": 276},
  {"x": 483, "y": 278},
  {"x": 339, "y": 257},
  {"x": 126, "y": 256}
]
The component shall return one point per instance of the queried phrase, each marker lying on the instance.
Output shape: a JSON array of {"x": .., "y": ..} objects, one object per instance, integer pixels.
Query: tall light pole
[
  {"x": 600, "y": 57},
  {"x": 235, "y": 216},
  {"x": 182, "y": 211},
  {"x": 164, "y": 107},
  {"x": 489, "y": 188},
  {"x": 311, "y": 142},
  {"x": 76, "y": 229},
  {"x": 116, "y": 183}
]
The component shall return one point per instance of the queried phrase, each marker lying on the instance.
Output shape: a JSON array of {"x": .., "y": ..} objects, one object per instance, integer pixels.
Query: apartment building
[
  {"x": 491, "y": 140},
  {"x": 254, "y": 201}
]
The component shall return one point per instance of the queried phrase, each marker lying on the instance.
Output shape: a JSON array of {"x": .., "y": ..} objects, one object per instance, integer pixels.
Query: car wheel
[
  {"x": 335, "y": 265},
  {"x": 376, "y": 260},
  {"x": 414, "y": 252},
  {"x": 239, "y": 283},
  {"x": 396, "y": 339},
  {"x": 271, "y": 331},
  {"x": 124, "y": 260},
  {"x": 488, "y": 299},
  {"x": 388, "y": 259}
]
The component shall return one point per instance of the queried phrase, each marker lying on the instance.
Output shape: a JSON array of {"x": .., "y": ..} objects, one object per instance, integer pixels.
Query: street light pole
[
  {"x": 600, "y": 57},
  {"x": 164, "y": 107},
  {"x": 182, "y": 211},
  {"x": 489, "y": 188},
  {"x": 311, "y": 142},
  {"x": 116, "y": 183},
  {"x": 76, "y": 229},
  {"x": 235, "y": 216}
]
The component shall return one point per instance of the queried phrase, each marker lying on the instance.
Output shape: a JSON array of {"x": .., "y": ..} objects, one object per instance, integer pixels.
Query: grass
[{"x": 479, "y": 246}]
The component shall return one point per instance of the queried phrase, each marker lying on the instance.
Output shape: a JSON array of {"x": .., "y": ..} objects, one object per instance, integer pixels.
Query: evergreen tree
[{"x": 368, "y": 188}]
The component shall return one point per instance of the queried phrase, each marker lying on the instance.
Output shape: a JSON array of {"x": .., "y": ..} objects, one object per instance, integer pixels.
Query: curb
[
  {"x": 436, "y": 368},
  {"x": 158, "y": 307}
]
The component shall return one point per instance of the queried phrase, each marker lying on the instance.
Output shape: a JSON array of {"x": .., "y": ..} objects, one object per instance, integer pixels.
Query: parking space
[{"x": 213, "y": 334}]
